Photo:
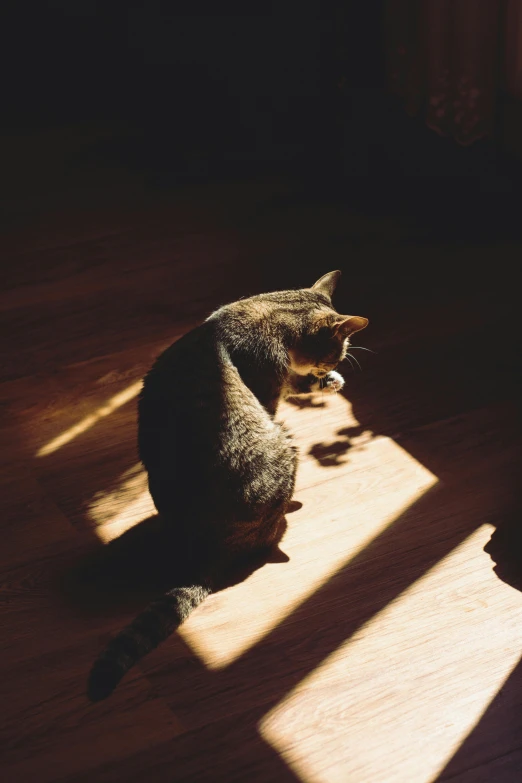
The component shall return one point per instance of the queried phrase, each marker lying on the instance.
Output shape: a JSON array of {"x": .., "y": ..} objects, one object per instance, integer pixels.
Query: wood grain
[{"x": 388, "y": 647}]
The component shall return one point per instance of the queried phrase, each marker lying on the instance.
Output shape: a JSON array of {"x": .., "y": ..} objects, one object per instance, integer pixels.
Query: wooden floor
[{"x": 388, "y": 649}]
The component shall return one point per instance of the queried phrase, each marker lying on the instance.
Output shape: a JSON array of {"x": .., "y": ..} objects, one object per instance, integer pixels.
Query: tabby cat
[{"x": 221, "y": 470}]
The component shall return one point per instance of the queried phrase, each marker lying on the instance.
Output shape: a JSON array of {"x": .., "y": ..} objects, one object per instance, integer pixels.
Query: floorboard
[{"x": 388, "y": 647}]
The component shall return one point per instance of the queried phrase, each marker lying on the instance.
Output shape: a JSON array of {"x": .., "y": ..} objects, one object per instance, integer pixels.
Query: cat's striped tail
[{"x": 149, "y": 629}]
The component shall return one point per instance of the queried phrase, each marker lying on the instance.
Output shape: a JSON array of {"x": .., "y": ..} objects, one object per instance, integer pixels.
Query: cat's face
[
  {"x": 325, "y": 339},
  {"x": 320, "y": 350}
]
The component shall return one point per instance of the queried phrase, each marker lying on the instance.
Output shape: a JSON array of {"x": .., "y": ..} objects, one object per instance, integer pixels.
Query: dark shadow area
[
  {"x": 505, "y": 550},
  {"x": 131, "y": 570},
  {"x": 329, "y": 454},
  {"x": 179, "y": 96},
  {"x": 307, "y": 402},
  {"x": 139, "y": 565},
  {"x": 418, "y": 383}
]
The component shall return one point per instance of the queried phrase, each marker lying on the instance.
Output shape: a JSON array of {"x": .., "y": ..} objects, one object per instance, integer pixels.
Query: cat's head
[{"x": 323, "y": 337}]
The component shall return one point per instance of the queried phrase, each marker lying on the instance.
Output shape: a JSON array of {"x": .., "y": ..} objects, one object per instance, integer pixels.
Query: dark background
[
  {"x": 251, "y": 82},
  {"x": 206, "y": 91}
]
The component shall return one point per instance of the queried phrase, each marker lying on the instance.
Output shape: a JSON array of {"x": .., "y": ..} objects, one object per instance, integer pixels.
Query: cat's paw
[{"x": 333, "y": 382}]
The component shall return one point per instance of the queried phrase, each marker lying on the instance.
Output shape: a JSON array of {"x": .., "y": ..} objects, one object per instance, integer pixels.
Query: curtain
[{"x": 449, "y": 60}]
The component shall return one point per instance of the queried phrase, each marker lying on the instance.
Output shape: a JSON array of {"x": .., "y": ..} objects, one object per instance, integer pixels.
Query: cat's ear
[
  {"x": 349, "y": 325},
  {"x": 326, "y": 284}
]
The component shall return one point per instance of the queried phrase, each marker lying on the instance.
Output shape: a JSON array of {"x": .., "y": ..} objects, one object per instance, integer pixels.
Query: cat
[{"x": 221, "y": 470}]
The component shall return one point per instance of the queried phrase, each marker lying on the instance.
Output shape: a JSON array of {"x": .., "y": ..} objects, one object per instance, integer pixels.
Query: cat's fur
[{"x": 221, "y": 469}]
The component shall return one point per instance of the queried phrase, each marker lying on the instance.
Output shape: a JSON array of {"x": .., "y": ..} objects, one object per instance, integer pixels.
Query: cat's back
[
  {"x": 200, "y": 425},
  {"x": 193, "y": 398},
  {"x": 194, "y": 356},
  {"x": 180, "y": 388}
]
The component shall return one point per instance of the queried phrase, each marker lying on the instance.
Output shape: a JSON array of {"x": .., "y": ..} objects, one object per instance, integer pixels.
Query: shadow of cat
[
  {"x": 142, "y": 563},
  {"x": 309, "y": 401},
  {"x": 329, "y": 454},
  {"x": 135, "y": 567}
]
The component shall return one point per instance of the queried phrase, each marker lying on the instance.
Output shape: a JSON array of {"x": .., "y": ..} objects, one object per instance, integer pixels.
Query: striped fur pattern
[{"x": 221, "y": 469}]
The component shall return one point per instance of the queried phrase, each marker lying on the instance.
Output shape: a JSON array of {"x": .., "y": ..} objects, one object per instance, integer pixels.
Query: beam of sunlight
[
  {"x": 140, "y": 508},
  {"x": 339, "y": 518},
  {"x": 89, "y": 421},
  {"x": 115, "y": 512},
  {"x": 427, "y": 666}
]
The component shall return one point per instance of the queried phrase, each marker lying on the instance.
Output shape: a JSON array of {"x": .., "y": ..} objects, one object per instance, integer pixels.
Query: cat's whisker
[
  {"x": 355, "y": 360},
  {"x": 360, "y": 348},
  {"x": 351, "y": 364}
]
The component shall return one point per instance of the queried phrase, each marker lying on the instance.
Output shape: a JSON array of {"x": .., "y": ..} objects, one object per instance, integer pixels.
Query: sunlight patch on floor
[
  {"x": 135, "y": 512},
  {"x": 89, "y": 421},
  {"x": 115, "y": 512},
  {"x": 425, "y": 668},
  {"x": 340, "y": 516}
]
